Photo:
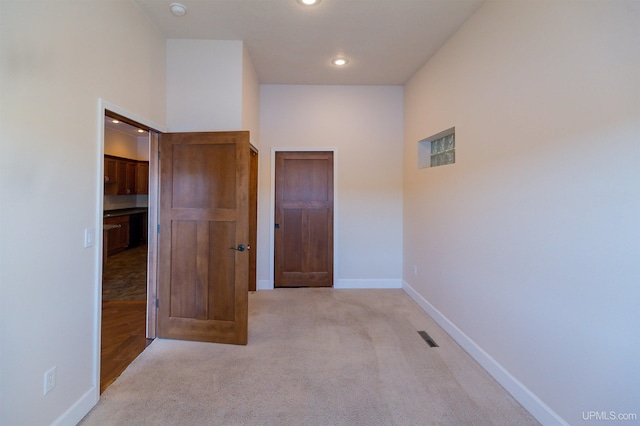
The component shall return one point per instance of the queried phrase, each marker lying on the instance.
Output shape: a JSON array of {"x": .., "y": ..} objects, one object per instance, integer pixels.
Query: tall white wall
[
  {"x": 364, "y": 125},
  {"x": 529, "y": 244},
  {"x": 250, "y": 98},
  {"x": 56, "y": 60},
  {"x": 204, "y": 85}
]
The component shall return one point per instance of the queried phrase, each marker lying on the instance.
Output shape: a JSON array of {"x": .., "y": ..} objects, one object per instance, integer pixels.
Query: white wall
[
  {"x": 56, "y": 60},
  {"x": 120, "y": 144},
  {"x": 529, "y": 244},
  {"x": 250, "y": 98},
  {"x": 142, "y": 151},
  {"x": 204, "y": 85},
  {"x": 364, "y": 125}
]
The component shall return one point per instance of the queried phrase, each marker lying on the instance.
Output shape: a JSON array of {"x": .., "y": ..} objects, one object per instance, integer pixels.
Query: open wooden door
[{"x": 204, "y": 236}]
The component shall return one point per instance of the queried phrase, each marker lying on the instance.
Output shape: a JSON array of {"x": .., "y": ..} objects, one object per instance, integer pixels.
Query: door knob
[{"x": 240, "y": 247}]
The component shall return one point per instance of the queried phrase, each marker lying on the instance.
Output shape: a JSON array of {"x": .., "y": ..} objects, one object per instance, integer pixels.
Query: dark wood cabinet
[
  {"x": 118, "y": 238},
  {"x": 142, "y": 177},
  {"x": 110, "y": 176},
  {"x": 130, "y": 179},
  {"x": 110, "y": 165},
  {"x": 123, "y": 176}
]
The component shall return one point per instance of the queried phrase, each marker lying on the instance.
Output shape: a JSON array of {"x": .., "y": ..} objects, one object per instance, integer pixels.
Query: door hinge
[
  {"x": 158, "y": 228},
  {"x": 157, "y": 303},
  {"x": 158, "y": 155}
]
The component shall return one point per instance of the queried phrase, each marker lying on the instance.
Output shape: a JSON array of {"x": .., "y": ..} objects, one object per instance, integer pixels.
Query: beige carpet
[{"x": 315, "y": 357}]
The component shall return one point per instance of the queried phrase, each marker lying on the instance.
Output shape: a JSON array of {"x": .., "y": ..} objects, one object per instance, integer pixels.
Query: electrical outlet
[
  {"x": 49, "y": 380},
  {"x": 415, "y": 270}
]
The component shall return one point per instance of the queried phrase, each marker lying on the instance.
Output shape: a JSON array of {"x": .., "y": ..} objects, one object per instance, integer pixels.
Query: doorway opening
[
  {"x": 150, "y": 231},
  {"x": 129, "y": 248}
]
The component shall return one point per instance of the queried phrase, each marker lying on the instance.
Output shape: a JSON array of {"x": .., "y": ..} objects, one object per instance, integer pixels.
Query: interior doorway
[
  {"x": 129, "y": 246},
  {"x": 148, "y": 317}
]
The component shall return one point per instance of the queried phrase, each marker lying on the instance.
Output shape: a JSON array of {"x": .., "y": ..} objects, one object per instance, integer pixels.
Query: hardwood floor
[
  {"x": 125, "y": 275},
  {"x": 123, "y": 337},
  {"x": 124, "y": 294}
]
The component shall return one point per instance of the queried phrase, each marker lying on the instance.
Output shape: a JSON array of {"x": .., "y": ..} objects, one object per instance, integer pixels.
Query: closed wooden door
[
  {"x": 304, "y": 219},
  {"x": 204, "y": 234}
]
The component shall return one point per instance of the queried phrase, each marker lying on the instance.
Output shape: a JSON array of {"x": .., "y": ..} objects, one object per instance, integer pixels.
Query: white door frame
[
  {"x": 103, "y": 107},
  {"x": 272, "y": 211}
]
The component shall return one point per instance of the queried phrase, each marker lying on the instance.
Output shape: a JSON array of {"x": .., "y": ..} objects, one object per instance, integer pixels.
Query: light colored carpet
[{"x": 315, "y": 357}]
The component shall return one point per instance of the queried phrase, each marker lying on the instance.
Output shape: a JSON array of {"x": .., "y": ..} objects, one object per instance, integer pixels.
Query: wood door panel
[
  {"x": 204, "y": 177},
  {"x": 186, "y": 297},
  {"x": 204, "y": 211},
  {"x": 222, "y": 237},
  {"x": 288, "y": 205},
  {"x": 317, "y": 257},
  {"x": 193, "y": 329},
  {"x": 306, "y": 279},
  {"x": 207, "y": 215},
  {"x": 304, "y": 214},
  {"x": 292, "y": 240},
  {"x": 305, "y": 180}
]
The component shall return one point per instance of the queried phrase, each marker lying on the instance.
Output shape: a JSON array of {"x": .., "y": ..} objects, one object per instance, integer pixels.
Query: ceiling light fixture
[
  {"x": 340, "y": 62},
  {"x": 178, "y": 9},
  {"x": 115, "y": 121},
  {"x": 308, "y": 2},
  {"x": 140, "y": 131}
]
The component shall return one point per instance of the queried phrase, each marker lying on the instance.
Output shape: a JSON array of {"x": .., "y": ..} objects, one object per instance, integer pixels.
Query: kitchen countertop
[{"x": 124, "y": 212}]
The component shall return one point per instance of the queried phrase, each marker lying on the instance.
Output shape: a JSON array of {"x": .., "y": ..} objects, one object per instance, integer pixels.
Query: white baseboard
[
  {"x": 541, "y": 411},
  {"x": 364, "y": 283},
  {"x": 264, "y": 285},
  {"x": 79, "y": 409},
  {"x": 345, "y": 284}
]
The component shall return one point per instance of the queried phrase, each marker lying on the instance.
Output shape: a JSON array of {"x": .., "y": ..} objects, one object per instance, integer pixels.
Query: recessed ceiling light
[
  {"x": 340, "y": 62},
  {"x": 115, "y": 121},
  {"x": 140, "y": 131},
  {"x": 178, "y": 9},
  {"x": 308, "y": 2}
]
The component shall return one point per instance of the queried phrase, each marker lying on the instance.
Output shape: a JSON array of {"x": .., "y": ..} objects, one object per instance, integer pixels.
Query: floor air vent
[{"x": 428, "y": 339}]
